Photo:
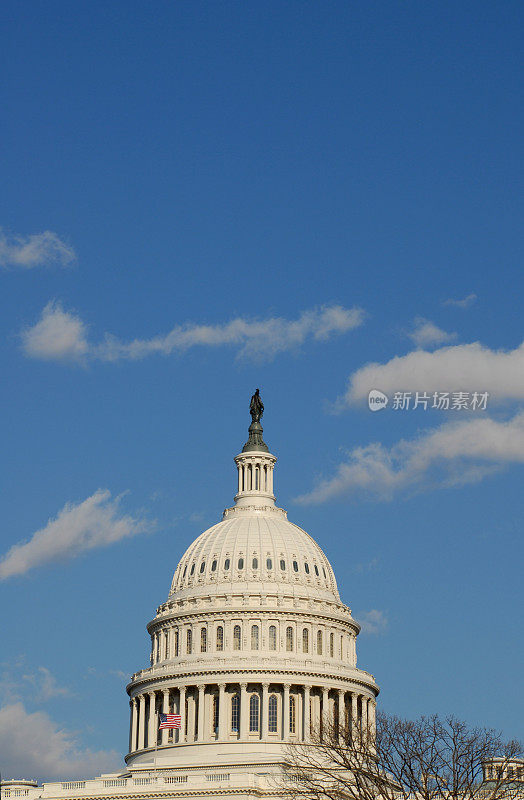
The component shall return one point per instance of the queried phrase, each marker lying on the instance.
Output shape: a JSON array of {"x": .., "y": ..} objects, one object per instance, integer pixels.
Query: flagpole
[{"x": 156, "y": 739}]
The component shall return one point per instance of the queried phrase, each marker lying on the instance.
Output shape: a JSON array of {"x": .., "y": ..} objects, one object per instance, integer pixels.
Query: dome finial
[{"x": 255, "y": 441}]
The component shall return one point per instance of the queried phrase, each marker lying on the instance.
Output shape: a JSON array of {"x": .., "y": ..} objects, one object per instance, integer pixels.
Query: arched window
[
  {"x": 272, "y": 637},
  {"x": 220, "y": 638},
  {"x": 305, "y": 641},
  {"x": 332, "y": 645},
  {"x": 176, "y": 642},
  {"x": 295, "y": 566},
  {"x": 272, "y": 714},
  {"x": 241, "y": 563},
  {"x": 167, "y": 644},
  {"x": 282, "y": 564},
  {"x": 235, "y": 712},
  {"x": 319, "y": 642},
  {"x": 215, "y": 713},
  {"x": 292, "y": 714},
  {"x": 269, "y": 563},
  {"x": 236, "y": 637},
  {"x": 254, "y": 712},
  {"x": 189, "y": 641},
  {"x": 254, "y": 637},
  {"x": 203, "y": 640},
  {"x": 254, "y": 563},
  {"x": 289, "y": 639},
  {"x": 227, "y": 564},
  {"x": 202, "y": 567}
]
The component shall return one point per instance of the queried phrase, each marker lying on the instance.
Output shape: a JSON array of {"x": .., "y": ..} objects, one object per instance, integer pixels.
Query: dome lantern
[{"x": 255, "y": 463}]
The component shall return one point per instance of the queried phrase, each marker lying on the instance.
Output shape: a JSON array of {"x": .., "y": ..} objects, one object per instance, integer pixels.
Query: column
[
  {"x": 307, "y": 720},
  {"x": 341, "y": 711},
  {"x": 152, "y": 730},
  {"x": 364, "y": 716},
  {"x": 132, "y": 738},
  {"x": 243, "y": 711},
  {"x": 200, "y": 727},
  {"x": 141, "y": 722},
  {"x": 285, "y": 713},
  {"x": 182, "y": 712},
  {"x": 372, "y": 719},
  {"x": 222, "y": 712},
  {"x": 325, "y": 705},
  {"x": 264, "y": 711},
  {"x": 165, "y": 709},
  {"x": 354, "y": 716}
]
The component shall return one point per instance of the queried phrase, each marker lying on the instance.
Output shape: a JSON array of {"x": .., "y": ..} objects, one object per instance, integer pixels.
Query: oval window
[
  {"x": 282, "y": 564},
  {"x": 254, "y": 563},
  {"x": 324, "y": 571},
  {"x": 306, "y": 567},
  {"x": 192, "y": 570},
  {"x": 241, "y": 563},
  {"x": 295, "y": 566},
  {"x": 316, "y": 571},
  {"x": 227, "y": 563},
  {"x": 269, "y": 563},
  {"x": 202, "y": 567},
  {"x": 214, "y": 565},
  {"x": 185, "y": 570}
]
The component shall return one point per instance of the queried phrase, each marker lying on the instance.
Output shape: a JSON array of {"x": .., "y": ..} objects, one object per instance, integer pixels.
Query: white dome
[{"x": 255, "y": 551}]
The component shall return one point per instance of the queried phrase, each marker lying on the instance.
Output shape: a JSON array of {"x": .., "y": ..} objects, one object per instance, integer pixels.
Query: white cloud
[
  {"x": 36, "y": 250},
  {"x": 62, "y": 335},
  {"x": 464, "y": 303},
  {"x": 373, "y": 621},
  {"x": 463, "y": 367},
  {"x": 58, "y": 334},
  {"x": 450, "y": 455},
  {"x": 427, "y": 334},
  {"x": 45, "y": 685},
  {"x": 19, "y": 681},
  {"x": 33, "y": 745},
  {"x": 95, "y": 522}
]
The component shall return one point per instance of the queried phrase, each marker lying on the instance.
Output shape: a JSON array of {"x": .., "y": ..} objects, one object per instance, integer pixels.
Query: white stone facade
[{"x": 252, "y": 647}]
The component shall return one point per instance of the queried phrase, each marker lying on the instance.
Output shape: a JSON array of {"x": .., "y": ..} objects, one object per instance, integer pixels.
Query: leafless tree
[{"x": 426, "y": 759}]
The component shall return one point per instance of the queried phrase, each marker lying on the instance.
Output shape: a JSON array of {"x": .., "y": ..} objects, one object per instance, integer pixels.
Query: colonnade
[
  {"x": 245, "y": 711},
  {"x": 254, "y": 476}
]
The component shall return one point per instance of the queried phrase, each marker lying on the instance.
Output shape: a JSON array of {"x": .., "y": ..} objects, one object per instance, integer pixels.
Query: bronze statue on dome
[{"x": 256, "y": 407}]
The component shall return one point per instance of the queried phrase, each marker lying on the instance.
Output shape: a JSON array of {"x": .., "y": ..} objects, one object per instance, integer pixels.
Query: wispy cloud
[
  {"x": 95, "y": 522},
  {"x": 58, "y": 334},
  {"x": 62, "y": 335},
  {"x": 426, "y": 334},
  {"x": 36, "y": 250},
  {"x": 464, "y": 303},
  {"x": 451, "y": 455},
  {"x": 464, "y": 367},
  {"x": 33, "y": 744},
  {"x": 45, "y": 685},
  {"x": 373, "y": 621}
]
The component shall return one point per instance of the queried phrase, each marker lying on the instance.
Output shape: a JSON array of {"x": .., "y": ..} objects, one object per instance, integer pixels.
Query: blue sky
[{"x": 202, "y": 198}]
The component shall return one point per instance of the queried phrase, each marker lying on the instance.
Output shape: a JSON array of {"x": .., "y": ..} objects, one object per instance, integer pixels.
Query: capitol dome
[
  {"x": 255, "y": 551},
  {"x": 252, "y": 646}
]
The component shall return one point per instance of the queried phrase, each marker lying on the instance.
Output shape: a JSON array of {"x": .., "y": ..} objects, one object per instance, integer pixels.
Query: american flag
[{"x": 169, "y": 721}]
